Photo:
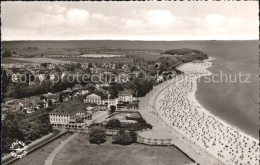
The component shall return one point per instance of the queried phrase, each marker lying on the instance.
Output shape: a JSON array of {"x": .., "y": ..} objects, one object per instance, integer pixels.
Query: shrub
[
  {"x": 97, "y": 135},
  {"x": 113, "y": 123},
  {"x": 123, "y": 138},
  {"x": 112, "y": 109},
  {"x": 133, "y": 136},
  {"x": 96, "y": 124},
  {"x": 141, "y": 124}
]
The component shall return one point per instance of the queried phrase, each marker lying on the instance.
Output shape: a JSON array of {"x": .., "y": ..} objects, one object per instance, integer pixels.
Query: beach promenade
[
  {"x": 204, "y": 137},
  {"x": 161, "y": 130}
]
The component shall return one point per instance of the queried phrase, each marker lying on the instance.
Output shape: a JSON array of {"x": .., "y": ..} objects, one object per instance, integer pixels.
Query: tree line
[{"x": 16, "y": 127}]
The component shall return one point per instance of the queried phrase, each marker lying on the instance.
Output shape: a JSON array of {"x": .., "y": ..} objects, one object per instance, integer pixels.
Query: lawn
[
  {"x": 8, "y": 60},
  {"x": 80, "y": 152},
  {"x": 39, "y": 156}
]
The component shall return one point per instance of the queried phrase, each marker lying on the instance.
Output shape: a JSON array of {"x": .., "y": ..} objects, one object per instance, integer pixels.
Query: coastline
[
  {"x": 210, "y": 112},
  {"x": 169, "y": 105}
]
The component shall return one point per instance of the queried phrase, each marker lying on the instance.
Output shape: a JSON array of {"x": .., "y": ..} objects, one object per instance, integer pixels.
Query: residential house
[
  {"x": 53, "y": 97},
  {"x": 125, "y": 96}
]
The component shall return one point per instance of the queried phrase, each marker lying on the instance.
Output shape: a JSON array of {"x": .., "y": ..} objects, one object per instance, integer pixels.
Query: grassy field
[
  {"x": 39, "y": 156},
  {"x": 97, "y": 60},
  {"x": 147, "y": 57},
  {"x": 7, "y": 60},
  {"x": 79, "y": 151},
  {"x": 42, "y": 60}
]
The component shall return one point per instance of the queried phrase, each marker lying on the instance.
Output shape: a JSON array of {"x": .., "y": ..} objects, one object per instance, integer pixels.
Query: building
[
  {"x": 53, "y": 97},
  {"x": 77, "y": 87},
  {"x": 71, "y": 114},
  {"x": 99, "y": 98},
  {"x": 125, "y": 96},
  {"x": 94, "y": 97}
]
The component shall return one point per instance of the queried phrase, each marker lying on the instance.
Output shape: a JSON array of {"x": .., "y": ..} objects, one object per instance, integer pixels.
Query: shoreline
[
  {"x": 177, "y": 105},
  {"x": 212, "y": 113}
]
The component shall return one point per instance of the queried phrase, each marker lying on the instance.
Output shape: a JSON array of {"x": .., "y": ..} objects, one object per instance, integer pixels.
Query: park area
[
  {"x": 40, "y": 155},
  {"x": 80, "y": 151}
]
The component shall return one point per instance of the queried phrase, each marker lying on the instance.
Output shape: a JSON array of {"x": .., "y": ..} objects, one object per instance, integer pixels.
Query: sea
[{"x": 235, "y": 102}]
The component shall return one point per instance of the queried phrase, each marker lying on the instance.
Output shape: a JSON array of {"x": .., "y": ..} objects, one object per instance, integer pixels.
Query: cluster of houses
[
  {"x": 75, "y": 113},
  {"x": 34, "y": 103},
  {"x": 50, "y": 71},
  {"x": 92, "y": 99},
  {"x": 98, "y": 97}
]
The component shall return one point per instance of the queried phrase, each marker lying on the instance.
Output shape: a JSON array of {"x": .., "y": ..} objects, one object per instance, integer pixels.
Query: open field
[
  {"x": 42, "y": 60},
  {"x": 80, "y": 151},
  {"x": 146, "y": 57},
  {"x": 8, "y": 60},
  {"x": 97, "y": 60},
  {"x": 39, "y": 156},
  {"x": 101, "y": 55}
]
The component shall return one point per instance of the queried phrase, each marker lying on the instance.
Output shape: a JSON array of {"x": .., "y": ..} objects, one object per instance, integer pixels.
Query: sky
[{"x": 224, "y": 20}]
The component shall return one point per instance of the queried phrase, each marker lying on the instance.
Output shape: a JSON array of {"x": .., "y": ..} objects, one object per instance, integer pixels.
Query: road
[{"x": 51, "y": 157}]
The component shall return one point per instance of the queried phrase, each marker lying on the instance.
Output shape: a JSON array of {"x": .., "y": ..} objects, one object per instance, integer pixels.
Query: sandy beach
[{"x": 177, "y": 106}]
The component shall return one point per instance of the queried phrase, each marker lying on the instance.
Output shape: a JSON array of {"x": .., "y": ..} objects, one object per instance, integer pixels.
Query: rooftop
[
  {"x": 125, "y": 93},
  {"x": 99, "y": 93},
  {"x": 70, "y": 107}
]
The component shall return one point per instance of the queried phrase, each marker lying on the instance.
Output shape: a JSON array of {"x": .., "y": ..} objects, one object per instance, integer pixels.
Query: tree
[
  {"x": 48, "y": 77},
  {"x": 163, "y": 66},
  {"x": 61, "y": 98},
  {"x": 43, "y": 97},
  {"x": 50, "y": 103},
  {"x": 5, "y": 82},
  {"x": 7, "y": 53},
  {"x": 41, "y": 105},
  {"x": 122, "y": 137},
  {"x": 133, "y": 136},
  {"x": 4, "y": 73},
  {"x": 97, "y": 135},
  {"x": 133, "y": 68},
  {"x": 44, "y": 65},
  {"x": 113, "y": 123},
  {"x": 78, "y": 65},
  {"x": 15, "y": 126},
  {"x": 112, "y": 109}
]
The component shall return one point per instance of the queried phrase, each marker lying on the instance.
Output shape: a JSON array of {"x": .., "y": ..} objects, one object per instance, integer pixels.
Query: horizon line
[{"x": 137, "y": 40}]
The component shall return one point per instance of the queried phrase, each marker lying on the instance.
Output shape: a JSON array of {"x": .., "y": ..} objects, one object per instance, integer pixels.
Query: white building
[
  {"x": 94, "y": 98},
  {"x": 98, "y": 99},
  {"x": 125, "y": 96},
  {"x": 72, "y": 114}
]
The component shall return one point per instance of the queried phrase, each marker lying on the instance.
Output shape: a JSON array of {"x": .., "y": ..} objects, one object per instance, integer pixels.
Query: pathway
[
  {"x": 50, "y": 158},
  {"x": 100, "y": 116},
  {"x": 148, "y": 111}
]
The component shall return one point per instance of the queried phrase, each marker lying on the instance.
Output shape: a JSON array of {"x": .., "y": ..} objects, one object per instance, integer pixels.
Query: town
[
  {"x": 73, "y": 96},
  {"x": 129, "y": 83}
]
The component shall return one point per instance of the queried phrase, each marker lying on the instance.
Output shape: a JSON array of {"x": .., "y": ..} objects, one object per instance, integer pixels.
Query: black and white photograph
[{"x": 130, "y": 82}]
